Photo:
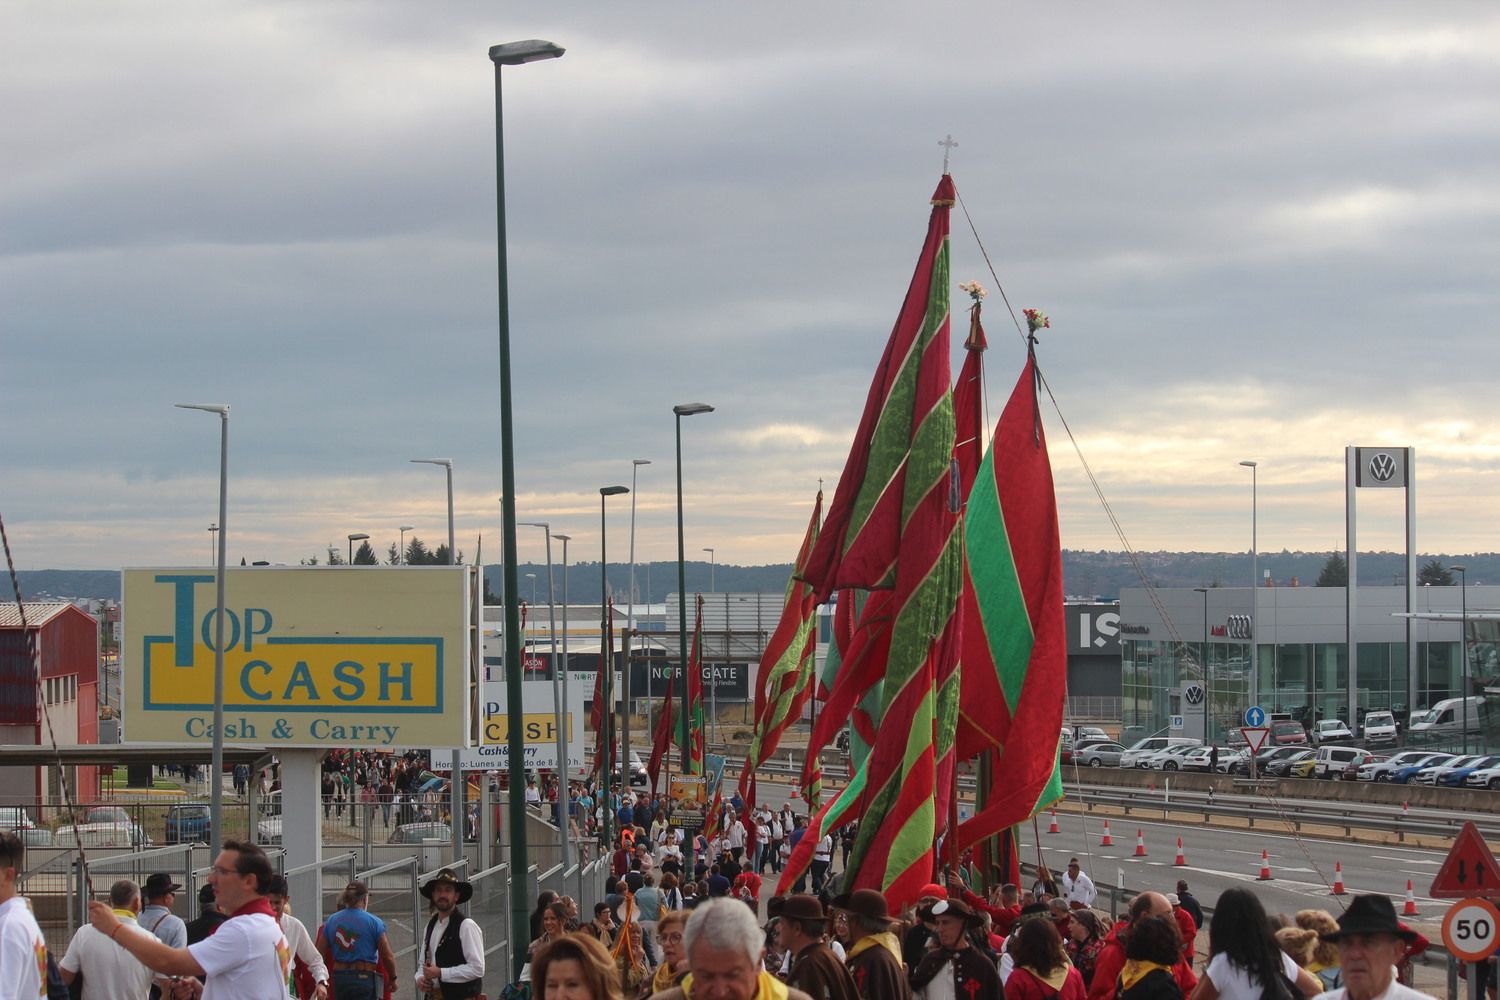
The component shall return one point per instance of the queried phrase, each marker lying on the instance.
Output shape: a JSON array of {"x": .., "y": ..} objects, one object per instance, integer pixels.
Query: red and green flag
[
  {"x": 785, "y": 681},
  {"x": 694, "y": 706},
  {"x": 661, "y": 736},
  {"x": 1016, "y": 632}
]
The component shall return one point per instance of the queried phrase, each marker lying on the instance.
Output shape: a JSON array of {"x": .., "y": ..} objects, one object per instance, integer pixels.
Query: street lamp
[
  {"x": 1206, "y": 699},
  {"x": 684, "y": 410},
  {"x": 447, "y": 464},
  {"x": 401, "y": 554},
  {"x": 532, "y": 578},
  {"x": 606, "y": 660},
  {"x": 563, "y": 670},
  {"x": 635, "y": 467},
  {"x": 1254, "y": 584},
  {"x": 357, "y": 536},
  {"x": 1463, "y": 644},
  {"x": 213, "y": 531},
  {"x": 511, "y": 54},
  {"x": 216, "y": 765},
  {"x": 711, "y": 588},
  {"x": 561, "y": 711}
]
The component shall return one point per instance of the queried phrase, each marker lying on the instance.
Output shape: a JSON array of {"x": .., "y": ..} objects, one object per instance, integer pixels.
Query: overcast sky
[{"x": 1262, "y": 231}]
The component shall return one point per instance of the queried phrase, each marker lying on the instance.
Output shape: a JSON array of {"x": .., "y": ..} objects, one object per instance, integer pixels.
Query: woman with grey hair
[{"x": 725, "y": 948}]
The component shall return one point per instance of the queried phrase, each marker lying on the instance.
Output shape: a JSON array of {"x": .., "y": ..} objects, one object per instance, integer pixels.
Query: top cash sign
[{"x": 314, "y": 656}]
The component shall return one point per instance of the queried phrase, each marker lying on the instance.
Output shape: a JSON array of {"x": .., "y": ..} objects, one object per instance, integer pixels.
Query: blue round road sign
[{"x": 1255, "y": 716}]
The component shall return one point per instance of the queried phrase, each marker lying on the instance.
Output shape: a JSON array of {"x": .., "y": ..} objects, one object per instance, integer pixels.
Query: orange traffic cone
[
  {"x": 1181, "y": 858},
  {"x": 794, "y": 794},
  {"x": 1338, "y": 879},
  {"x": 1265, "y": 866},
  {"x": 1107, "y": 840},
  {"x": 1140, "y": 844},
  {"x": 1052, "y": 827},
  {"x": 1410, "y": 909}
]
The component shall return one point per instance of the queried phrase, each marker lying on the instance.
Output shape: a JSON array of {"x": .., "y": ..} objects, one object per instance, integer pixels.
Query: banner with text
[{"x": 538, "y": 724}]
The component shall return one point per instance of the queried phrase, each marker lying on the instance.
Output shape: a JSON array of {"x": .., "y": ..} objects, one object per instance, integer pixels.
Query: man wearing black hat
[
  {"x": 453, "y": 945},
  {"x": 157, "y": 916},
  {"x": 816, "y": 970},
  {"x": 874, "y": 960},
  {"x": 1371, "y": 941},
  {"x": 955, "y": 968}
]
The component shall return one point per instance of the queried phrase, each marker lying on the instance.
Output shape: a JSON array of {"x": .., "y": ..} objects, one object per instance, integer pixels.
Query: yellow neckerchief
[
  {"x": 884, "y": 939},
  {"x": 124, "y": 914},
  {"x": 767, "y": 987},
  {"x": 1056, "y": 977},
  {"x": 1135, "y": 970},
  {"x": 663, "y": 978},
  {"x": 1316, "y": 967}
]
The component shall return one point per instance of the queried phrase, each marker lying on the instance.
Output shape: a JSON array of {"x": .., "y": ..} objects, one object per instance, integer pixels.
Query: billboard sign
[
  {"x": 314, "y": 656},
  {"x": 538, "y": 725}
]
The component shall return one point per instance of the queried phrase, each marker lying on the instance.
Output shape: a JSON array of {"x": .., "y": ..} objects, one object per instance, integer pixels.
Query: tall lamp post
[
  {"x": 401, "y": 555},
  {"x": 455, "y": 775},
  {"x": 216, "y": 765},
  {"x": 1254, "y": 584},
  {"x": 560, "y": 719},
  {"x": 713, "y": 688},
  {"x": 213, "y": 543},
  {"x": 635, "y": 467},
  {"x": 565, "y": 539},
  {"x": 607, "y": 660},
  {"x": 1206, "y": 699},
  {"x": 711, "y": 588},
  {"x": 1463, "y": 643},
  {"x": 684, "y": 410},
  {"x": 511, "y": 54},
  {"x": 358, "y": 536}
]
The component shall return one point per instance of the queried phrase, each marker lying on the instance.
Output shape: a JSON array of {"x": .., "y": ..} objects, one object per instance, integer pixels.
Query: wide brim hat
[
  {"x": 1371, "y": 914},
  {"x": 159, "y": 884},
  {"x": 944, "y": 907},
  {"x": 868, "y": 904},
  {"x": 802, "y": 907},
  {"x": 448, "y": 877}
]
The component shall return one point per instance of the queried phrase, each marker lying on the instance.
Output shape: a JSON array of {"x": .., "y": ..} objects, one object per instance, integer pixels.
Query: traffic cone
[
  {"x": 1181, "y": 858},
  {"x": 1405, "y": 807},
  {"x": 1140, "y": 844},
  {"x": 794, "y": 796},
  {"x": 1107, "y": 840},
  {"x": 1265, "y": 866},
  {"x": 1338, "y": 879},
  {"x": 1052, "y": 827},
  {"x": 1410, "y": 909}
]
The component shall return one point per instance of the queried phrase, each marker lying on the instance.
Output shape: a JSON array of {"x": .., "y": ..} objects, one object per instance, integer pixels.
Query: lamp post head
[
  {"x": 535, "y": 524},
  {"x": 404, "y": 527},
  {"x": 222, "y": 409},
  {"x": 519, "y": 53},
  {"x": 358, "y": 536},
  {"x": 446, "y": 463},
  {"x": 640, "y": 461},
  {"x": 1248, "y": 464},
  {"x": 565, "y": 538},
  {"x": 710, "y": 551},
  {"x": 612, "y": 491},
  {"x": 688, "y": 409},
  {"x": 1458, "y": 569}
]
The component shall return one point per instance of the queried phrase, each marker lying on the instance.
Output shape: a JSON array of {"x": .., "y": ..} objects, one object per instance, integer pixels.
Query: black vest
[{"x": 450, "y": 952}]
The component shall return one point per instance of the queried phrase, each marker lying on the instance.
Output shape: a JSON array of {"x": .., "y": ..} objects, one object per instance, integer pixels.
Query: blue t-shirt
[{"x": 352, "y": 935}]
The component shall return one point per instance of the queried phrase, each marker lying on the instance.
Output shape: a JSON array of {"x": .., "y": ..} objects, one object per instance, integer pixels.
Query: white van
[
  {"x": 1379, "y": 728},
  {"x": 1447, "y": 717},
  {"x": 1142, "y": 750}
]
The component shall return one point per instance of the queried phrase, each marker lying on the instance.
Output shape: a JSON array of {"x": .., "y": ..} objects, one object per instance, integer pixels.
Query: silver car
[{"x": 1099, "y": 755}]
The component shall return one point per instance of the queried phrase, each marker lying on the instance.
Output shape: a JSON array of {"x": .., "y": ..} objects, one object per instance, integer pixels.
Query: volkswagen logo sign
[
  {"x": 1193, "y": 693},
  {"x": 1382, "y": 467}
]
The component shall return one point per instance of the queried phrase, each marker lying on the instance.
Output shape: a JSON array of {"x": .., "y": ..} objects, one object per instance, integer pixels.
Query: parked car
[
  {"x": 15, "y": 818},
  {"x": 1484, "y": 777},
  {"x": 1430, "y": 774},
  {"x": 1271, "y": 754},
  {"x": 1402, "y": 775},
  {"x": 1170, "y": 759},
  {"x": 1457, "y": 777},
  {"x": 415, "y": 833},
  {"x": 1331, "y": 731},
  {"x": 104, "y": 826},
  {"x": 1237, "y": 762},
  {"x": 1331, "y": 761},
  {"x": 1302, "y": 767},
  {"x": 1288, "y": 733},
  {"x": 1282, "y": 766},
  {"x": 1100, "y": 754},
  {"x": 1351, "y": 771},
  {"x": 187, "y": 823},
  {"x": 1139, "y": 754},
  {"x": 1082, "y": 734},
  {"x": 1381, "y": 770},
  {"x": 1447, "y": 718},
  {"x": 1198, "y": 759},
  {"x": 1379, "y": 728}
]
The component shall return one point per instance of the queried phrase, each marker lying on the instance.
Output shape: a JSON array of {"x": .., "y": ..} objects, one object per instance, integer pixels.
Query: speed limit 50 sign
[{"x": 1471, "y": 929}]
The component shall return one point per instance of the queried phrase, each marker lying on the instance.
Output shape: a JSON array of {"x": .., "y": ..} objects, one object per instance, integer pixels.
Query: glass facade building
[{"x": 1288, "y": 654}]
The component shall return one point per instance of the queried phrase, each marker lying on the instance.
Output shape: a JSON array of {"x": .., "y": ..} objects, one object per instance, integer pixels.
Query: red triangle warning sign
[{"x": 1469, "y": 870}]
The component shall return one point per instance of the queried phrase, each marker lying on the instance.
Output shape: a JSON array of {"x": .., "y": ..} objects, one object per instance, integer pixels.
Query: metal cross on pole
[{"x": 949, "y": 145}]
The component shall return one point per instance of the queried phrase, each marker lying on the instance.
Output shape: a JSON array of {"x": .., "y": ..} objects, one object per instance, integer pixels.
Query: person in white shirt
[
  {"x": 109, "y": 971},
  {"x": 452, "y": 947},
  {"x": 298, "y": 939},
  {"x": 762, "y": 843},
  {"x": 1077, "y": 888},
  {"x": 23, "y": 952},
  {"x": 734, "y": 836},
  {"x": 245, "y": 959},
  {"x": 822, "y": 858}
]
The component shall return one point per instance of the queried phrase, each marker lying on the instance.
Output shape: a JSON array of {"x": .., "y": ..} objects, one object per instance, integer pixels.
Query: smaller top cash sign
[{"x": 313, "y": 657}]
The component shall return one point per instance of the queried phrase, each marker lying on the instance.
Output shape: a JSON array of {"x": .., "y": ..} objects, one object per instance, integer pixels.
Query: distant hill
[{"x": 1086, "y": 574}]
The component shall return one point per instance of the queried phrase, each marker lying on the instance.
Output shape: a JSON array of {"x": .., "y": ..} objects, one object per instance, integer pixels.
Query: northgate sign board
[{"x": 314, "y": 656}]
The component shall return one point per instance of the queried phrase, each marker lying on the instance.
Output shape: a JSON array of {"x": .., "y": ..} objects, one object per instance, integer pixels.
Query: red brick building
[{"x": 60, "y": 687}]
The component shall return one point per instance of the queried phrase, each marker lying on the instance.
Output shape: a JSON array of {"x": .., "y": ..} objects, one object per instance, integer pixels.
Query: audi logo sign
[{"x": 1238, "y": 626}]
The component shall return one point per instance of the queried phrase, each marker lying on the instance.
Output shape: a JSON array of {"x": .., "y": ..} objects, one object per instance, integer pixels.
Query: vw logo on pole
[
  {"x": 1192, "y": 693},
  {"x": 1382, "y": 467}
]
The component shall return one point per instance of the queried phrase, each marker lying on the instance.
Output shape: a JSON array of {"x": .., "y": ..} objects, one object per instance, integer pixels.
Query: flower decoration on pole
[
  {"x": 975, "y": 289},
  {"x": 1035, "y": 320}
]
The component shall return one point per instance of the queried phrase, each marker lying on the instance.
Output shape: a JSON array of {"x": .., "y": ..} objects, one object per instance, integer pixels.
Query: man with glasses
[{"x": 245, "y": 959}]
